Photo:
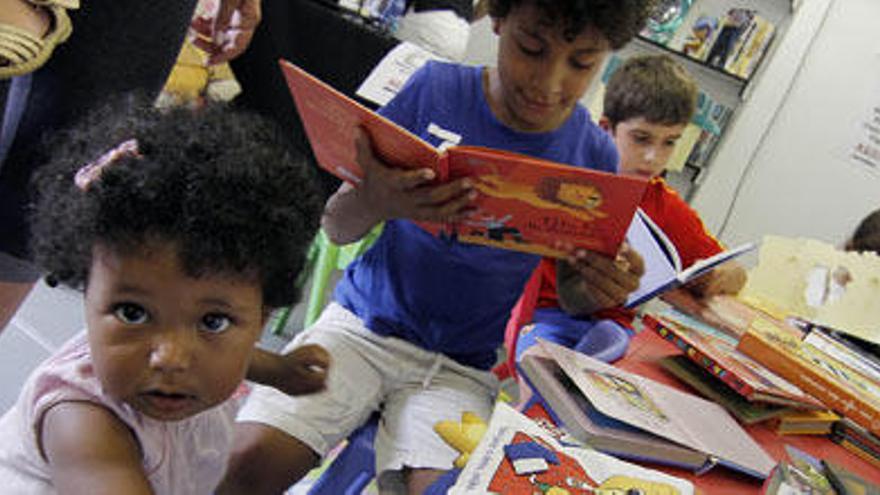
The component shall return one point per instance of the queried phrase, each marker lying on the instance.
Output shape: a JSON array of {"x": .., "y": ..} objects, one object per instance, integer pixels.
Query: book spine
[
  {"x": 694, "y": 354},
  {"x": 811, "y": 380}
]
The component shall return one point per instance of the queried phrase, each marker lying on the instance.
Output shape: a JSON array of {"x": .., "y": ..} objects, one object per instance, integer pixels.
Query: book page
[
  {"x": 663, "y": 410},
  {"x": 392, "y": 72},
  {"x": 704, "y": 265},
  {"x": 659, "y": 258}
]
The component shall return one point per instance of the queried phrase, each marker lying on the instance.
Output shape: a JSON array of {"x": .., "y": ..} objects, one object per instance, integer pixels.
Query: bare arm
[
  {"x": 386, "y": 193},
  {"x": 588, "y": 282},
  {"x": 299, "y": 372},
  {"x": 91, "y": 452}
]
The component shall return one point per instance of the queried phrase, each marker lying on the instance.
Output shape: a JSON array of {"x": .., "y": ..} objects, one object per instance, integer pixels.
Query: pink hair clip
[{"x": 92, "y": 170}]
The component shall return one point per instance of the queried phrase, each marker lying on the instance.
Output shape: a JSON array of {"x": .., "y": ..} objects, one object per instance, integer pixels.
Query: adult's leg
[
  {"x": 17, "y": 278},
  {"x": 11, "y": 297}
]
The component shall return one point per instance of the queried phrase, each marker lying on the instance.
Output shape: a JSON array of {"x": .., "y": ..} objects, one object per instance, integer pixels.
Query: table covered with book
[{"x": 644, "y": 352}]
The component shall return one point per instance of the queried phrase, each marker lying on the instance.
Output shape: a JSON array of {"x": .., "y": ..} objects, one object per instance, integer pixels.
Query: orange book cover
[
  {"x": 524, "y": 203},
  {"x": 781, "y": 349}
]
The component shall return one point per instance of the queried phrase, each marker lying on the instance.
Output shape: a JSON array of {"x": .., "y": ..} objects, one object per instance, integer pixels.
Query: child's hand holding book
[
  {"x": 392, "y": 192},
  {"x": 727, "y": 278},
  {"x": 589, "y": 282}
]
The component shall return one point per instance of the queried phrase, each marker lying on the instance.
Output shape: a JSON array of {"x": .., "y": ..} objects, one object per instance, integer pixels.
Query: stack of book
[
  {"x": 711, "y": 364},
  {"x": 841, "y": 387},
  {"x": 857, "y": 440}
]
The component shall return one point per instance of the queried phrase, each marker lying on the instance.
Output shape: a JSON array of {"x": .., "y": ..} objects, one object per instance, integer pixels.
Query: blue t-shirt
[{"x": 437, "y": 293}]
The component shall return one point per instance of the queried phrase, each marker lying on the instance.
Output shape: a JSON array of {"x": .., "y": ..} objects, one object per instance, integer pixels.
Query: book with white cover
[
  {"x": 663, "y": 270},
  {"x": 631, "y": 416},
  {"x": 571, "y": 469}
]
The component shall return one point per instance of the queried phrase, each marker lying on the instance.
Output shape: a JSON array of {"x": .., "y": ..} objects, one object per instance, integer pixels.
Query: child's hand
[
  {"x": 304, "y": 370},
  {"x": 395, "y": 193},
  {"x": 299, "y": 372},
  {"x": 728, "y": 278},
  {"x": 229, "y": 33},
  {"x": 589, "y": 282}
]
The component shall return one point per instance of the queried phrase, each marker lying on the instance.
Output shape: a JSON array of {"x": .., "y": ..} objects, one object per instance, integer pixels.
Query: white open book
[{"x": 663, "y": 270}]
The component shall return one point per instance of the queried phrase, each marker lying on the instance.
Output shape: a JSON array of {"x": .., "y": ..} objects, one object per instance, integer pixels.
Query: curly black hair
[
  {"x": 224, "y": 186},
  {"x": 618, "y": 20}
]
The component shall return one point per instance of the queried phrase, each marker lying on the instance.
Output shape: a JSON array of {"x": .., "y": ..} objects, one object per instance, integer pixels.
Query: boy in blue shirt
[{"x": 417, "y": 319}]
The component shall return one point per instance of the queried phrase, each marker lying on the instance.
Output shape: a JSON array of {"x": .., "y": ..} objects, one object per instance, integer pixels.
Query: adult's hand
[{"x": 229, "y": 33}]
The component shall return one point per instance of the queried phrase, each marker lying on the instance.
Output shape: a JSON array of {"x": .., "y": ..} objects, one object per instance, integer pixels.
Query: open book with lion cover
[{"x": 524, "y": 203}]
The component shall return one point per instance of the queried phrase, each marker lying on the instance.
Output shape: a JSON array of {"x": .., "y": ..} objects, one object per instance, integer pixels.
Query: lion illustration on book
[{"x": 577, "y": 197}]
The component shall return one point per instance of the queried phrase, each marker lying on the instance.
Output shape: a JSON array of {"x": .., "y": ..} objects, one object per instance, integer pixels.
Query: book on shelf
[
  {"x": 523, "y": 203},
  {"x": 717, "y": 352},
  {"x": 663, "y": 268},
  {"x": 750, "y": 47},
  {"x": 630, "y": 416},
  {"x": 518, "y": 456},
  {"x": 710, "y": 387},
  {"x": 780, "y": 347}
]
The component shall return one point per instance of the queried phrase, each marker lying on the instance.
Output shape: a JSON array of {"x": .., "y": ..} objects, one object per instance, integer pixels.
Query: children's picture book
[
  {"x": 788, "y": 479},
  {"x": 857, "y": 440},
  {"x": 724, "y": 313},
  {"x": 716, "y": 352},
  {"x": 516, "y": 456},
  {"x": 844, "y": 390},
  {"x": 710, "y": 387},
  {"x": 819, "y": 283},
  {"x": 663, "y": 270},
  {"x": 806, "y": 422},
  {"x": 626, "y": 415},
  {"x": 750, "y": 47},
  {"x": 524, "y": 203},
  {"x": 845, "y": 482}
]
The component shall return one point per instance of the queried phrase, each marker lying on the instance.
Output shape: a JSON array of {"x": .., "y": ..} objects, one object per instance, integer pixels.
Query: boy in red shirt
[{"x": 648, "y": 103}]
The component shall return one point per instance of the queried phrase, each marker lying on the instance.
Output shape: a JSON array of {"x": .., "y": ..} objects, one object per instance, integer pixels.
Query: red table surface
[{"x": 641, "y": 358}]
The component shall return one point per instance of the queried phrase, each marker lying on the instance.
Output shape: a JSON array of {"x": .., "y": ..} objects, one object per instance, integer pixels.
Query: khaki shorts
[{"x": 412, "y": 387}]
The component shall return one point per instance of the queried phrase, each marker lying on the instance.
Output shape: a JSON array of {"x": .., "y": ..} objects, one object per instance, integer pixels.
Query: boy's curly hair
[
  {"x": 654, "y": 87},
  {"x": 224, "y": 186},
  {"x": 618, "y": 20}
]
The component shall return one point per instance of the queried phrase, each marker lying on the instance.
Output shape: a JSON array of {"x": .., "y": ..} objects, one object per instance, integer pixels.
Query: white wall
[{"x": 783, "y": 168}]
